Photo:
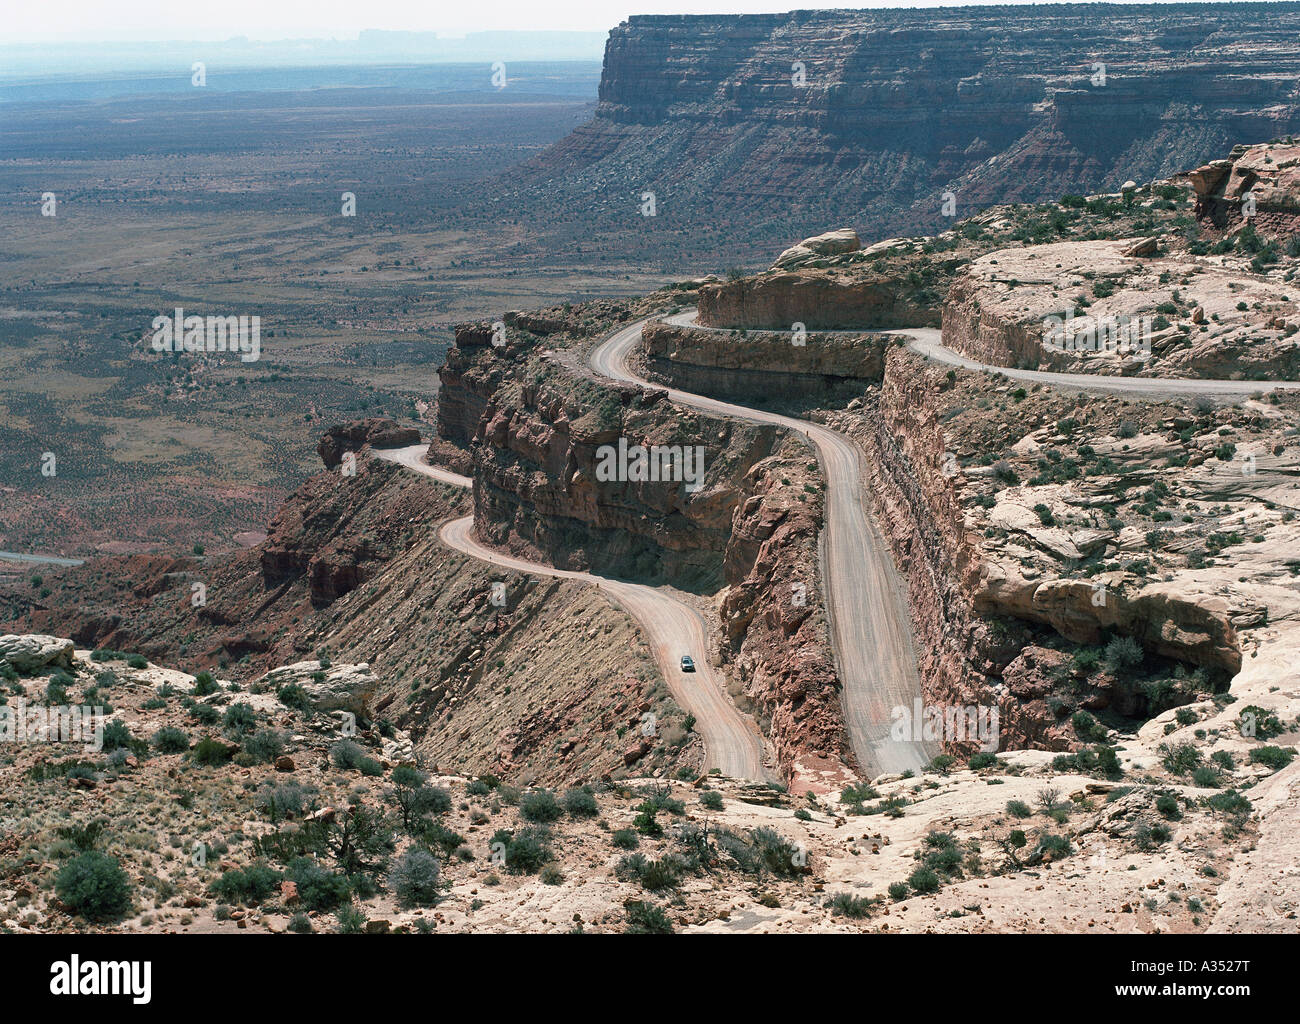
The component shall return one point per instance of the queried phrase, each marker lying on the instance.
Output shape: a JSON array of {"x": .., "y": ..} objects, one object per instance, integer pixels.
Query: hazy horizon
[{"x": 267, "y": 21}]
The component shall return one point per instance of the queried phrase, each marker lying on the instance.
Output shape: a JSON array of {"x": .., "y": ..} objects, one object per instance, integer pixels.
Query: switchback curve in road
[
  {"x": 672, "y": 627},
  {"x": 870, "y": 622}
]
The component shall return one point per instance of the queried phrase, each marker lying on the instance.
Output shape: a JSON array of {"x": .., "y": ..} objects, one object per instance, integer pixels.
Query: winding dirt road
[
  {"x": 928, "y": 341},
  {"x": 870, "y": 623},
  {"x": 732, "y": 742}
]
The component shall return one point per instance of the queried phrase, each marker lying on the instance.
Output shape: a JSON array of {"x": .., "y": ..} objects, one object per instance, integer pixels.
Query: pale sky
[{"x": 149, "y": 20}]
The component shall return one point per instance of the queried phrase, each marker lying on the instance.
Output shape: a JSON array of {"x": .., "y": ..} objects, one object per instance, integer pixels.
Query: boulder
[
  {"x": 34, "y": 651},
  {"x": 832, "y": 243},
  {"x": 343, "y": 688}
]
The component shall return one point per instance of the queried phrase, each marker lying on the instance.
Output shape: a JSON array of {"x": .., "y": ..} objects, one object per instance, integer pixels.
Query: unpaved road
[
  {"x": 14, "y": 556},
  {"x": 732, "y": 742},
  {"x": 870, "y": 623},
  {"x": 928, "y": 341}
]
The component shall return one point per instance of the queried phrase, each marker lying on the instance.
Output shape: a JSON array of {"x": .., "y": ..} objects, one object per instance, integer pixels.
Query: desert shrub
[
  {"x": 239, "y": 720},
  {"x": 540, "y": 805},
  {"x": 1004, "y": 472},
  {"x": 711, "y": 800},
  {"x": 1272, "y": 757},
  {"x": 981, "y": 760},
  {"x": 1050, "y": 846},
  {"x": 625, "y": 839},
  {"x": 647, "y": 824},
  {"x": 250, "y": 885},
  {"x": 318, "y": 887},
  {"x": 210, "y": 752},
  {"x": 291, "y": 695},
  {"x": 416, "y": 878},
  {"x": 438, "y": 836},
  {"x": 347, "y": 754},
  {"x": 83, "y": 838},
  {"x": 923, "y": 880},
  {"x": 281, "y": 799},
  {"x": 1255, "y": 722},
  {"x": 848, "y": 905},
  {"x": 205, "y": 714},
  {"x": 1206, "y": 776},
  {"x": 170, "y": 740},
  {"x": 300, "y": 924},
  {"x": 1122, "y": 653},
  {"x": 1018, "y": 809},
  {"x": 265, "y": 745},
  {"x": 1167, "y": 807},
  {"x": 136, "y": 661},
  {"x": 898, "y": 891},
  {"x": 1085, "y": 725},
  {"x": 94, "y": 886},
  {"x": 646, "y": 919},
  {"x": 477, "y": 787},
  {"x": 776, "y": 853},
  {"x": 551, "y": 875},
  {"x": 580, "y": 803},
  {"x": 116, "y": 735},
  {"x": 525, "y": 849},
  {"x": 1179, "y": 758},
  {"x": 204, "y": 685},
  {"x": 352, "y": 921},
  {"x": 1229, "y": 801}
]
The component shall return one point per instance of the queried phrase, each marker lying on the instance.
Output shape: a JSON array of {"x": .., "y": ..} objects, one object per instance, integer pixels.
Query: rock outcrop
[
  {"x": 326, "y": 687},
  {"x": 830, "y": 243},
  {"x": 756, "y": 366},
  {"x": 352, "y": 437},
  {"x": 31, "y": 652},
  {"x": 1260, "y": 183}
]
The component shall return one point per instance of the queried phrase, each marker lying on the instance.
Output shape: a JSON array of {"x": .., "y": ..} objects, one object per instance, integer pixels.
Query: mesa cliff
[{"x": 752, "y": 130}]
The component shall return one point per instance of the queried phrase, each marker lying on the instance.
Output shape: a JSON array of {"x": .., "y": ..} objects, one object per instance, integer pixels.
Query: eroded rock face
[
  {"x": 759, "y": 365},
  {"x": 1268, "y": 173},
  {"x": 1171, "y": 619},
  {"x": 832, "y": 243},
  {"x": 898, "y": 107},
  {"x": 818, "y": 300},
  {"x": 342, "y": 688},
  {"x": 972, "y": 592},
  {"x": 774, "y": 620},
  {"x": 33, "y": 652},
  {"x": 351, "y": 437},
  {"x": 1186, "y": 315},
  {"x": 315, "y": 534},
  {"x": 540, "y": 436}
]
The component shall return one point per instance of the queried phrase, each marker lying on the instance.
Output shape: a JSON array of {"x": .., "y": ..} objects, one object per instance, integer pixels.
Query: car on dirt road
[{"x": 688, "y": 663}]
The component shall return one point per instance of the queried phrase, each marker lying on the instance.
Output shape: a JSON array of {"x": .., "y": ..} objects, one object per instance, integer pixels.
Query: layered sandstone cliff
[
  {"x": 762, "y": 366},
  {"x": 756, "y": 129}
]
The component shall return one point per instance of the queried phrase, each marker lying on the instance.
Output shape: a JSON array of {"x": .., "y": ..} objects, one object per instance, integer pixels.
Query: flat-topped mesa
[{"x": 758, "y": 127}]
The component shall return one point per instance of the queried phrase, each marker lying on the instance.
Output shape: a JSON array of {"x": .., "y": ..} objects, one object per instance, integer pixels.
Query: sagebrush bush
[
  {"x": 170, "y": 740},
  {"x": 416, "y": 878},
  {"x": 265, "y": 745},
  {"x": 94, "y": 886},
  {"x": 540, "y": 805},
  {"x": 580, "y": 803}
]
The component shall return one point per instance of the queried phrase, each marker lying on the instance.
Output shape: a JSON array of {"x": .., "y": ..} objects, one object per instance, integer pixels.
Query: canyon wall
[
  {"x": 817, "y": 300},
  {"x": 530, "y": 423},
  {"x": 752, "y": 130},
  {"x": 538, "y": 431},
  {"x": 756, "y": 366}
]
